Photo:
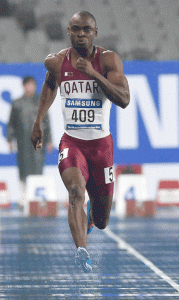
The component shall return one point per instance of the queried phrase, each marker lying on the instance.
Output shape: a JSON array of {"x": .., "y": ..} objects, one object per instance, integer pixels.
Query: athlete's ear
[
  {"x": 68, "y": 30},
  {"x": 96, "y": 31}
]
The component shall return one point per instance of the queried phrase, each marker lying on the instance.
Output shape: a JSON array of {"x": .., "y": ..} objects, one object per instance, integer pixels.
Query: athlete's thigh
[
  {"x": 72, "y": 164},
  {"x": 100, "y": 185}
]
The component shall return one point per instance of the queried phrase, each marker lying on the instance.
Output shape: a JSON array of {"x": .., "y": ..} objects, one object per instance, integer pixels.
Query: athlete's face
[{"x": 82, "y": 31}]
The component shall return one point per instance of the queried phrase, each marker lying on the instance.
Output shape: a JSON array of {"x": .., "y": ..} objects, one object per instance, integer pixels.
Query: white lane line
[{"x": 123, "y": 245}]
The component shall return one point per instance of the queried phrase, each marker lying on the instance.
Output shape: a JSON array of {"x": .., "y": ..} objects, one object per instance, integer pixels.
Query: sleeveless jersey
[{"x": 86, "y": 110}]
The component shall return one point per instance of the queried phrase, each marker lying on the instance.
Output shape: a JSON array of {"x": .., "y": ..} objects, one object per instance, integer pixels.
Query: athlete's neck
[{"x": 85, "y": 53}]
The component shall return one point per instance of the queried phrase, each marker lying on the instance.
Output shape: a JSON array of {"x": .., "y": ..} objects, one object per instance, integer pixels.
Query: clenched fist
[
  {"x": 37, "y": 136},
  {"x": 85, "y": 67}
]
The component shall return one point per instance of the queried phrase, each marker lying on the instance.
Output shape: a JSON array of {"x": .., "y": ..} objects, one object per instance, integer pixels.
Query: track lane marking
[{"x": 123, "y": 245}]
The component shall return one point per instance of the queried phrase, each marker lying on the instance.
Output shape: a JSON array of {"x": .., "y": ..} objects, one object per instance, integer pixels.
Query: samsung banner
[{"x": 145, "y": 132}]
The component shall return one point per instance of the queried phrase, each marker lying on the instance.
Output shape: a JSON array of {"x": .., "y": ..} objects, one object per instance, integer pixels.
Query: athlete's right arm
[{"x": 47, "y": 96}]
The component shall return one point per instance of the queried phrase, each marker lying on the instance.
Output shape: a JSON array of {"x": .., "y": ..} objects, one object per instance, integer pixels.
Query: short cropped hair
[
  {"x": 86, "y": 14},
  {"x": 26, "y": 79}
]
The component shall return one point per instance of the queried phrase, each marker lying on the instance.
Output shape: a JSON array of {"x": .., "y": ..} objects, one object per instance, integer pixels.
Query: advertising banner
[{"x": 147, "y": 131}]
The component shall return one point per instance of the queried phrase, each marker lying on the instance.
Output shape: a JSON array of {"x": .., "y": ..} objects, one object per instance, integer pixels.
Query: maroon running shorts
[{"x": 95, "y": 160}]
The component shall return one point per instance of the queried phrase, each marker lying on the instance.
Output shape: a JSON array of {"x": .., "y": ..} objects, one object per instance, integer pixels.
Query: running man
[{"x": 90, "y": 78}]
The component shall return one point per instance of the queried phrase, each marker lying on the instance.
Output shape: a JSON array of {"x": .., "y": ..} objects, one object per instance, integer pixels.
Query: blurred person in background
[{"x": 22, "y": 116}]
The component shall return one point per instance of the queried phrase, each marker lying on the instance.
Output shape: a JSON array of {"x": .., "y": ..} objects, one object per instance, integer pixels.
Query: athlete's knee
[
  {"x": 76, "y": 193},
  {"x": 101, "y": 223}
]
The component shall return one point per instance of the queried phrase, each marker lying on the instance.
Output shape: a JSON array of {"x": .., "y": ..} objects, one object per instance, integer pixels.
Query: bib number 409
[{"x": 83, "y": 115}]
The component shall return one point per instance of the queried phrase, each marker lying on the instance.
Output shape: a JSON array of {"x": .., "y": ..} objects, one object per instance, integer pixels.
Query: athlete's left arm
[{"x": 114, "y": 84}]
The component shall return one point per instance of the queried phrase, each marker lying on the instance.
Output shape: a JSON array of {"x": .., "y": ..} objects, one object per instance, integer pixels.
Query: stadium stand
[
  {"x": 4, "y": 8},
  {"x": 137, "y": 30},
  {"x": 128, "y": 25},
  {"x": 25, "y": 16},
  {"x": 11, "y": 41},
  {"x": 56, "y": 46},
  {"x": 36, "y": 46}
]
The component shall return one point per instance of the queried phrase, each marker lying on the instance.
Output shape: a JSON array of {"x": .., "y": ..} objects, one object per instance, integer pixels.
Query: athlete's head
[{"x": 82, "y": 31}]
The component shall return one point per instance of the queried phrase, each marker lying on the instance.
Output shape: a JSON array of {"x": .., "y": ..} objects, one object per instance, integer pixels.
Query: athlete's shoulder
[
  {"x": 53, "y": 61},
  {"x": 101, "y": 49},
  {"x": 109, "y": 58},
  {"x": 106, "y": 54}
]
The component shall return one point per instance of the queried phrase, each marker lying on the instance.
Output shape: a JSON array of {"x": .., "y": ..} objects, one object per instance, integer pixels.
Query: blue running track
[{"x": 133, "y": 258}]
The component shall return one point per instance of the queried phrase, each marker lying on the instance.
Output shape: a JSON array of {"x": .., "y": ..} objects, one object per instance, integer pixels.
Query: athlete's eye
[
  {"x": 87, "y": 29},
  {"x": 75, "y": 28}
]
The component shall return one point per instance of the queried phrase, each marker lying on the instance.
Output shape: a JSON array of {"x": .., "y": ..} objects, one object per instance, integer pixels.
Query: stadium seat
[
  {"x": 12, "y": 41},
  {"x": 4, "y": 8},
  {"x": 36, "y": 47},
  {"x": 57, "y": 46},
  {"x": 135, "y": 29}
]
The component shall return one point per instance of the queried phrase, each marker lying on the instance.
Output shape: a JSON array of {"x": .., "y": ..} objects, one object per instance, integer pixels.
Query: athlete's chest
[
  {"x": 73, "y": 82},
  {"x": 81, "y": 87}
]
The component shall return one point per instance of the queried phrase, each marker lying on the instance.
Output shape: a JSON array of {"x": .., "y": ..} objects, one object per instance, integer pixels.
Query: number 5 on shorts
[{"x": 109, "y": 175}]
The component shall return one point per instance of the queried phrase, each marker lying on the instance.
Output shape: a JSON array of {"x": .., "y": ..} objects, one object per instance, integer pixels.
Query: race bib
[
  {"x": 83, "y": 113},
  {"x": 62, "y": 154},
  {"x": 109, "y": 175}
]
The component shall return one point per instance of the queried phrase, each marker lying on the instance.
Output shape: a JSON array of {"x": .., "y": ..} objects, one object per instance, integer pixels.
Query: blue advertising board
[{"x": 147, "y": 131}]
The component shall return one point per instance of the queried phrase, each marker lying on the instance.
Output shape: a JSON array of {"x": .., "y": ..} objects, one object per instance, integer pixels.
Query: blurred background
[
  {"x": 145, "y": 35},
  {"x": 137, "y": 30}
]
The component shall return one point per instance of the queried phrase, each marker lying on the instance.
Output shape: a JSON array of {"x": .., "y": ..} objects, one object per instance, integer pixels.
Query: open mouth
[{"x": 81, "y": 42}]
